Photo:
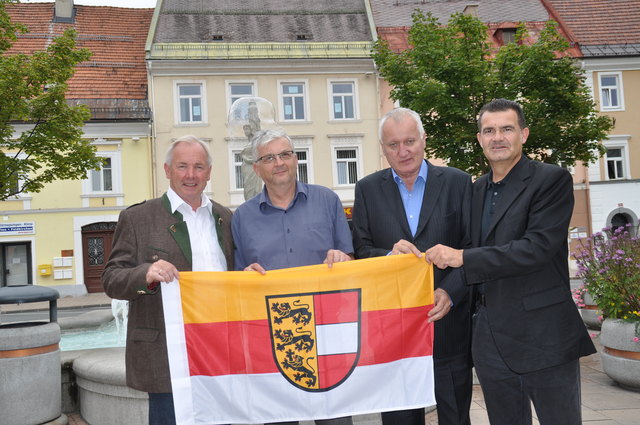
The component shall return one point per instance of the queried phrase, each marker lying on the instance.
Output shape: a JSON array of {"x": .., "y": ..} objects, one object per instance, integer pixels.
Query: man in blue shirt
[{"x": 290, "y": 223}]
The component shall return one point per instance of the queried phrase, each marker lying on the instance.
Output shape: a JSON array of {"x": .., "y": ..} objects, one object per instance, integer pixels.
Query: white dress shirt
[{"x": 206, "y": 254}]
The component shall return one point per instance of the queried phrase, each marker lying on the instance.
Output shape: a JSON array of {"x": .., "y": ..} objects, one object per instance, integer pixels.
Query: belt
[{"x": 482, "y": 299}]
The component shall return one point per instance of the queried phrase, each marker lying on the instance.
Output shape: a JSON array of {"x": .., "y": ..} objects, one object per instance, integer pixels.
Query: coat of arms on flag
[
  {"x": 315, "y": 337},
  {"x": 300, "y": 344}
]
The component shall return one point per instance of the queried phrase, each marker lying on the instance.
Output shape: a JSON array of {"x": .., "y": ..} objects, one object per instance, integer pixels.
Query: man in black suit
[
  {"x": 406, "y": 209},
  {"x": 527, "y": 332}
]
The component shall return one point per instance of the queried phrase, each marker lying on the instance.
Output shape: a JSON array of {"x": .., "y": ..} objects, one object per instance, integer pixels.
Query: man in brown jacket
[{"x": 181, "y": 231}]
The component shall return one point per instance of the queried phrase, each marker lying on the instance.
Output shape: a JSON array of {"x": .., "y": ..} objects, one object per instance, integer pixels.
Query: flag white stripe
[
  {"x": 337, "y": 338},
  {"x": 259, "y": 398},
  {"x": 177, "y": 349}
]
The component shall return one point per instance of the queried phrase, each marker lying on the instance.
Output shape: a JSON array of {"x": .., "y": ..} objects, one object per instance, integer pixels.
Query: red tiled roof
[
  {"x": 597, "y": 22},
  {"x": 115, "y": 36},
  {"x": 397, "y": 37}
]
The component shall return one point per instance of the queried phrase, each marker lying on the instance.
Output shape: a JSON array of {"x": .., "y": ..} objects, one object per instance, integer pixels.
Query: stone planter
[
  {"x": 590, "y": 312},
  {"x": 621, "y": 356}
]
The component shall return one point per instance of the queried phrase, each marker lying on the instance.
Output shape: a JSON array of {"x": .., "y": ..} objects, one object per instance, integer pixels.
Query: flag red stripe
[
  {"x": 245, "y": 346},
  {"x": 337, "y": 307},
  {"x": 332, "y": 369}
]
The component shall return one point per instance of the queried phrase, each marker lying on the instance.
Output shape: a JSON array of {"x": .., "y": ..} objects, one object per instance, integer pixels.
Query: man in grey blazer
[
  {"x": 181, "y": 231},
  {"x": 527, "y": 332},
  {"x": 408, "y": 208}
]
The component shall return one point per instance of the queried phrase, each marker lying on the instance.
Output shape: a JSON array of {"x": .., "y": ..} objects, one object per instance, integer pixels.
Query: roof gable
[{"x": 601, "y": 28}]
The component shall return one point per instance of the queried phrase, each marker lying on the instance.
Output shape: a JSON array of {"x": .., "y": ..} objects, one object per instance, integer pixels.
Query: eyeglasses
[{"x": 271, "y": 158}]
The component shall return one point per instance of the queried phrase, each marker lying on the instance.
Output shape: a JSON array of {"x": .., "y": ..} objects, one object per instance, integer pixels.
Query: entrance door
[
  {"x": 16, "y": 263},
  {"x": 96, "y": 248}
]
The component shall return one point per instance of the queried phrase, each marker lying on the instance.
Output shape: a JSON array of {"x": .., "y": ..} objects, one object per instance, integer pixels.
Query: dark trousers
[
  {"x": 453, "y": 388},
  {"x": 554, "y": 392},
  {"x": 161, "y": 410}
]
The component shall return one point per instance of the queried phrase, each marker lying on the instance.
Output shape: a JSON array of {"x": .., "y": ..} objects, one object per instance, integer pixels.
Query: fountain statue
[{"x": 247, "y": 116}]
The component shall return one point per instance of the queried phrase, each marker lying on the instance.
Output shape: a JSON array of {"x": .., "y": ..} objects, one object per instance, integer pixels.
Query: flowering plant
[{"x": 609, "y": 265}]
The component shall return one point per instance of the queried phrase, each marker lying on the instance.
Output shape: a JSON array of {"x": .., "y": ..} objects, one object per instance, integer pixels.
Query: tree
[
  {"x": 450, "y": 71},
  {"x": 32, "y": 91}
]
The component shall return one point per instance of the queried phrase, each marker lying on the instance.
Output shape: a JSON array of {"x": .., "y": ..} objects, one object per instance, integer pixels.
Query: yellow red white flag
[{"x": 302, "y": 343}]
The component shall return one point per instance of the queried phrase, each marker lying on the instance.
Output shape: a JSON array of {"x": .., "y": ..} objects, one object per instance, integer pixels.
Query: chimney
[{"x": 63, "y": 11}]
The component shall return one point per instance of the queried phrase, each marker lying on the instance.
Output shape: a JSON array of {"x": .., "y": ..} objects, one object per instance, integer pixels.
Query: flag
[{"x": 301, "y": 343}]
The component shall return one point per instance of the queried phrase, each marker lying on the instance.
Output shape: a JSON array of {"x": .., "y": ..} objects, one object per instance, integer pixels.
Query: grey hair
[
  {"x": 398, "y": 114},
  {"x": 189, "y": 139},
  {"x": 264, "y": 137}
]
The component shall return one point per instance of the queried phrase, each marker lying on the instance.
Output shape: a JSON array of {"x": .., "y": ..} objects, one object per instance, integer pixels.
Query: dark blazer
[
  {"x": 524, "y": 267},
  {"x": 379, "y": 221},
  {"x": 145, "y": 233}
]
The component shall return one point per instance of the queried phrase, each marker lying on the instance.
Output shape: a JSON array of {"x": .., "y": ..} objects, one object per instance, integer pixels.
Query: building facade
[
  {"x": 311, "y": 63},
  {"x": 61, "y": 236}
]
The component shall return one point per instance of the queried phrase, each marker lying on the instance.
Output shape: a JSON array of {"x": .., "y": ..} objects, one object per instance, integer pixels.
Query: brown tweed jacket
[{"x": 145, "y": 233}]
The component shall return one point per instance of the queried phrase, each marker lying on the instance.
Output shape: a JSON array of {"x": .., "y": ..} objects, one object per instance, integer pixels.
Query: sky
[{"x": 118, "y": 3}]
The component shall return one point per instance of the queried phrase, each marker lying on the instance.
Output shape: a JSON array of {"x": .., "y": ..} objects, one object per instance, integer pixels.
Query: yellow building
[{"x": 61, "y": 236}]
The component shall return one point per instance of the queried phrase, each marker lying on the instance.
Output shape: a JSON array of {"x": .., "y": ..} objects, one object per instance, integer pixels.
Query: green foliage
[
  {"x": 450, "y": 71},
  {"x": 32, "y": 91}
]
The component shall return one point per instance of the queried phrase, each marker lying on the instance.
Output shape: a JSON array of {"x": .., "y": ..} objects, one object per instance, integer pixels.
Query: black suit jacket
[
  {"x": 524, "y": 267},
  {"x": 379, "y": 221}
]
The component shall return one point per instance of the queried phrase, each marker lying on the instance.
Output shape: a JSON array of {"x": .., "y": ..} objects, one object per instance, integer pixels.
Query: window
[
  {"x": 238, "y": 90},
  {"x": 238, "y": 178},
  {"x": 107, "y": 181},
  {"x": 611, "y": 91},
  {"x": 508, "y": 35},
  {"x": 293, "y": 101},
  {"x": 343, "y": 100},
  {"x": 615, "y": 163},
  {"x": 347, "y": 166},
  {"x": 15, "y": 180},
  {"x": 303, "y": 165},
  {"x": 102, "y": 179},
  {"x": 191, "y": 103}
]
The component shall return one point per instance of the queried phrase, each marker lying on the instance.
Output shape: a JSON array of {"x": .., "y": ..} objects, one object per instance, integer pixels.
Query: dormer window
[
  {"x": 303, "y": 37},
  {"x": 217, "y": 37},
  {"x": 508, "y": 35}
]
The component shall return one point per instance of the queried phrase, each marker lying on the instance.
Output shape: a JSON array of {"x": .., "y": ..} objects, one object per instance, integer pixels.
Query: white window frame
[
  {"x": 618, "y": 87},
  {"x": 203, "y": 102},
  {"x": 116, "y": 174},
  {"x": 305, "y": 99},
  {"x": 21, "y": 196},
  {"x": 621, "y": 143},
  {"x": 236, "y": 196},
  {"x": 356, "y": 97},
  {"x": 341, "y": 142},
  {"x": 228, "y": 95},
  {"x": 305, "y": 144},
  {"x": 234, "y": 170}
]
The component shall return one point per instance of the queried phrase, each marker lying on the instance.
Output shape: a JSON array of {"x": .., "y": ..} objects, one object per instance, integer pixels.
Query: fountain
[{"x": 120, "y": 310}]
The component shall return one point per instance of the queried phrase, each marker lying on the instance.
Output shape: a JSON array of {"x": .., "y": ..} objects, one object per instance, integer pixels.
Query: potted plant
[
  {"x": 591, "y": 316},
  {"x": 609, "y": 265}
]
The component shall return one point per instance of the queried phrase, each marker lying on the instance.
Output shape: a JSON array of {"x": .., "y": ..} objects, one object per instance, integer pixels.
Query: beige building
[
  {"x": 312, "y": 64},
  {"x": 611, "y": 60}
]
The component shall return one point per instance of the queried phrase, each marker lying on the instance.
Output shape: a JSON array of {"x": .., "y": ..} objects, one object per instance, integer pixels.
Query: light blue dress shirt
[{"x": 412, "y": 200}]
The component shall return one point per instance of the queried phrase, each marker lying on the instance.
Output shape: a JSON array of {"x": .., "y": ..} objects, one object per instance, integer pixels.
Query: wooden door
[{"x": 97, "y": 239}]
